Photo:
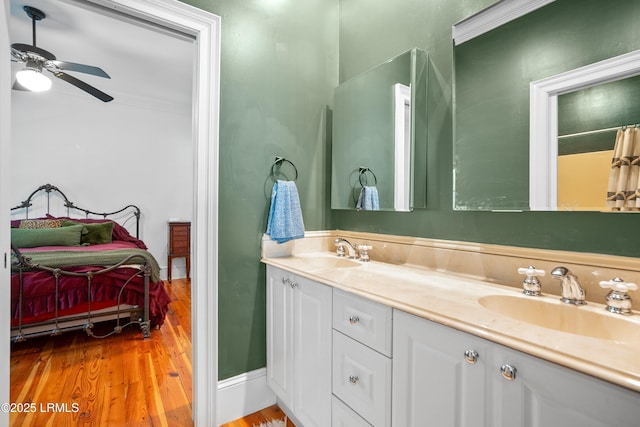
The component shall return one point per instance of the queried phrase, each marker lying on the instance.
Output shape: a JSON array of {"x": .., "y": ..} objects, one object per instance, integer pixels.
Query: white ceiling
[{"x": 143, "y": 62}]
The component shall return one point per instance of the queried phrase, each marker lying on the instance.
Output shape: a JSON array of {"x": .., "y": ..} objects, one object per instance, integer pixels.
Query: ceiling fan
[{"x": 37, "y": 59}]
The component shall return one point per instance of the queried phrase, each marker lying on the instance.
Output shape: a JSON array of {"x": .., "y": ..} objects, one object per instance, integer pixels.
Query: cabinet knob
[
  {"x": 294, "y": 285},
  {"x": 353, "y": 379},
  {"x": 508, "y": 372},
  {"x": 354, "y": 319},
  {"x": 471, "y": 356},
  {"x": 286, "y": 280}
]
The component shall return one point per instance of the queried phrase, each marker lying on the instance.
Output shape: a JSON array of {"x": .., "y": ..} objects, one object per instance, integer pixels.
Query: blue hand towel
[
  {"x": 285, "y": 216},
  {"x": 368, "y": 199}
]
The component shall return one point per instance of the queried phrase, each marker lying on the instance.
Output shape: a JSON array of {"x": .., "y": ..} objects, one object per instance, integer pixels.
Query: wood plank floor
[
  {"x": 267, "y": 414},
  {"x": 122, "y": 380}
]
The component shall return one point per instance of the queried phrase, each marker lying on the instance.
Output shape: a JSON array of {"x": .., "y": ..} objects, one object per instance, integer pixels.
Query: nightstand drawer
[{"x": 363, "y": 320}]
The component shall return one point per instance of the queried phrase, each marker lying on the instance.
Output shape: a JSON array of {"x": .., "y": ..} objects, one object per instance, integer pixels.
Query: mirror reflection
[
  {"x": 493, "y": 73},
  {"x": 592, "y": 126},
  {"x": 379, "y": 137}
]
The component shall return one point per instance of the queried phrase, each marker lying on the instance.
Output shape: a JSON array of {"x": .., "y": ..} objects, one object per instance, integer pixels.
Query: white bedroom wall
[{"x": 106, "y": 155}]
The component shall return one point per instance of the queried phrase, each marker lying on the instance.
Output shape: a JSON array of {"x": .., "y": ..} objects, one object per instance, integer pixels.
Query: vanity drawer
[
  {"x": 343, "y": 416},
  {"x": 364, "y": 320},
  {"x": 362, "y": 379}
]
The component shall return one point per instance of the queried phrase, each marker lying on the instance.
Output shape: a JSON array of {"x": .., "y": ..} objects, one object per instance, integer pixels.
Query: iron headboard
[{"x": 48, "y": 188}]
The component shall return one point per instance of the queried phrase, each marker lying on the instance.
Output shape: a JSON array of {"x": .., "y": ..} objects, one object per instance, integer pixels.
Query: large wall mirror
[
  {"x": 539, "y": 101},
  {"x": 379, "y": 137}
]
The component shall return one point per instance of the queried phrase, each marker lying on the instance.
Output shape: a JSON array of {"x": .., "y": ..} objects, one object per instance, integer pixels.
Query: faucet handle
[
  {"x": 618, "y": 285},
  {"x": 617, "y": 299},
  {"x": 364, "y": 252},
  {"x": 531, "y": 283}
]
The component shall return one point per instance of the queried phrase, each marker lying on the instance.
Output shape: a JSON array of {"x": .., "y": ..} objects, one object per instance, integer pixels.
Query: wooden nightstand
[{"x": 179, "y": 244}]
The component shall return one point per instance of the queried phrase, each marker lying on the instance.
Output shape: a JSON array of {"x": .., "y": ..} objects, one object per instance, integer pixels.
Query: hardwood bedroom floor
[{"x": 122, "y": 380}]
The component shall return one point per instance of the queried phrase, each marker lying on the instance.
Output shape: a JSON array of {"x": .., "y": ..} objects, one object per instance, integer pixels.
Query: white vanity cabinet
[
  {"x": 433, "y": 382},
  {"x": 442, "y": 376},
  {"x": 545, "y": 394},
  {"x": 299, "y": 345}
]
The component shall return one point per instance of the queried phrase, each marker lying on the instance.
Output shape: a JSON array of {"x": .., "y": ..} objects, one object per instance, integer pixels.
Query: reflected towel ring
[
  {"x": 279, "y": 161},
  {"x": 363, "y": 172}
]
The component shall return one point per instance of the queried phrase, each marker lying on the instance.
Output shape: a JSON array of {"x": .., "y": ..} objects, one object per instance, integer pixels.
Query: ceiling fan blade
[
  {"x": 82, "y": 85},
  {"x": 82, "y": 68}
]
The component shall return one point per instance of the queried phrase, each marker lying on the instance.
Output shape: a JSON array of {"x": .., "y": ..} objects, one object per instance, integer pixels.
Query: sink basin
[
  {"x": 550, "y": 313},
  {"x": 333, "y": 262}
]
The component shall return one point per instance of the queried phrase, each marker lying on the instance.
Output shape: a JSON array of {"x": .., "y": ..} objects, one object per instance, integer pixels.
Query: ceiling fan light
[{"x": 33, "y": 80}]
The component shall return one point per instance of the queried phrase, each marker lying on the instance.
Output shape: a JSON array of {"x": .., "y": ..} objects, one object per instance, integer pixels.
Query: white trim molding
[
  {"x": 543, "y": 120},
  {"x": 243, "y": 394},
  {"x": 402, "y": 157},
  {"x": 492, "y": 17},
  {"x": 205, "y": 28}
]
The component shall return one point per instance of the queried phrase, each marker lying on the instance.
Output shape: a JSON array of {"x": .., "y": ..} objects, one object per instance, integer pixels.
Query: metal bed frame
[{"x": 85, "y": 321}]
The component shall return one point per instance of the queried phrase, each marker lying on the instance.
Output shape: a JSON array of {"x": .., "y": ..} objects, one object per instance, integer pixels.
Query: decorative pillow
[
  {"x": 96, "y": 233},
  {"x": 119, "y": 232},
  {"x": 40, "y": 223},
  {"x": 34, "y": 237}
]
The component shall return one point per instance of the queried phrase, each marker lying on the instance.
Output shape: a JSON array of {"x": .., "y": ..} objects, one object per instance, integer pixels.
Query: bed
[{"x": 78, "y": 267}]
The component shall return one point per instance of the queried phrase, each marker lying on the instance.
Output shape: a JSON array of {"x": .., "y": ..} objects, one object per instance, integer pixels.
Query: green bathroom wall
[
  {"x": 605, "y": 106},
  {"x": 371, "y": 31},
  {"x": 281, "y": 60},
  {"x": 279, "y": 65}
]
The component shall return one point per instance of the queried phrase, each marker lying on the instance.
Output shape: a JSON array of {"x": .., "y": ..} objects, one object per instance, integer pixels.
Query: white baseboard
[{"x": 242, "y": 395}]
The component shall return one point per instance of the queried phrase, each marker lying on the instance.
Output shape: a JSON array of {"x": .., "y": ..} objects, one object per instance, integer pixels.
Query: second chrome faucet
[{"x": 571, "y": 291}]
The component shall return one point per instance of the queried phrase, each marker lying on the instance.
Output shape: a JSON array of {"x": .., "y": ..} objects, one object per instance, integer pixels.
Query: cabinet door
[
  {"x": 280, "y": 334},
  {"x": 433, "y": 384},
  {"x": 545, "y": 394},
  {"x": 312, "y": 353}
]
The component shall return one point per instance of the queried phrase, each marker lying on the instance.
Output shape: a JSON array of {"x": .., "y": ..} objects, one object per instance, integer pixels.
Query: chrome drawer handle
[
  {"x": 354, "y": 319},
  {"x": 286, "y": 280},
  {"x": 294, "y": 284},
  {"x": 508, "y": 372},
  {"x": 471, "y": 356},
  {"x": 353, "y": 379}
]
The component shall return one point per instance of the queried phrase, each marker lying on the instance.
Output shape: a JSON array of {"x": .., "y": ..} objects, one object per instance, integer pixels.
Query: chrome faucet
[
  {"x": 572, "y": 292},
  {"x": 341, "y": 244}
]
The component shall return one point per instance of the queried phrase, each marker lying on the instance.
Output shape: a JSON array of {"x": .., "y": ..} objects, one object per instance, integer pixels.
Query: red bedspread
[{"x": 39, "y": 290}]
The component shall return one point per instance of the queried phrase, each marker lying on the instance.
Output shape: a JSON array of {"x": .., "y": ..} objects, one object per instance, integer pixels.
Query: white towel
[{"x": 285, "y": 216}]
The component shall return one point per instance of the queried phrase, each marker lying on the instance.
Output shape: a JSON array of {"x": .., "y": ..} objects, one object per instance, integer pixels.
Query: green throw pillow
[
  {"x": 34, "y": 237},
  {"x": 96, "y": 233}
]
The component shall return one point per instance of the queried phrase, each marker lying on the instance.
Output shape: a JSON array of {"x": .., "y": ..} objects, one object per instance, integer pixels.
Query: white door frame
[
  {"x": 205, "y": 28},
  {"x": 5, "y": 133}
]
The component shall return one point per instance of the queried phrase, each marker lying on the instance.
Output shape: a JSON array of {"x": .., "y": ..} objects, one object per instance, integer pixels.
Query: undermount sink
[
  {"x": 333, "y": 262},
  {"x": 553, "y": 314}
]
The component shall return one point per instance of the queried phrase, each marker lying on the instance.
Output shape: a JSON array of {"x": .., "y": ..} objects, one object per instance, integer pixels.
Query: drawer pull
[
  {"x": 508, "y": 372},
  {"x": 353, "y": 379},
  {"x": 294, "y": 285},
  {"x": 471, "y": 356},
  {"x": 286, "y": 280},
  {"x": 354, "y": 319}
]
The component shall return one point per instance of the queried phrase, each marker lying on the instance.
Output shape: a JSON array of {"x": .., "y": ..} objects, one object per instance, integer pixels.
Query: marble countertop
[{"x": 453, "y": 300}]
